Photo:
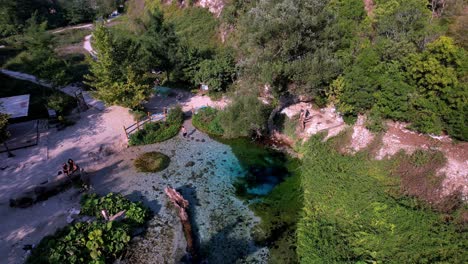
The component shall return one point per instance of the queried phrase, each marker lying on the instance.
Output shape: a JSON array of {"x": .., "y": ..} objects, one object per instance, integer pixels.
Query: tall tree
[
  {"x": 293, "y": 44},
  {"x": 159, "y": 43},
  {"x": 439, "y": 75},
  {"x": 218, "y": 72},
  {"x": 77, "y": 11},
  {"x": 116, "y": 74}
]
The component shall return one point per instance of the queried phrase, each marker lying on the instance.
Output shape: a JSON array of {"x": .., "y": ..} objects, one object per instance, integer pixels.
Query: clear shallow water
[
  {"x": 210, "y": 174},
  {"x": 263, "y": 168}
]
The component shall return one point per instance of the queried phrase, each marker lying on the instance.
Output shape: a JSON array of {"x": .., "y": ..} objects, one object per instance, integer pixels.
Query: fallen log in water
[{"x": 182, "y": 205}]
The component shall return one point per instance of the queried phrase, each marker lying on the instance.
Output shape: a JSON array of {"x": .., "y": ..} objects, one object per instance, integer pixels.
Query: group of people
[{"x": 69, "y": 167}]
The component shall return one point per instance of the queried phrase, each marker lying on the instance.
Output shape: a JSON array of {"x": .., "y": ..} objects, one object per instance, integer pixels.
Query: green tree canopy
[
  {"x": 218, "y": 72},
  {"x": 159, "y": 43},
  {"x": 439, "y": 75},
  {"x": 116, "y": 73}
]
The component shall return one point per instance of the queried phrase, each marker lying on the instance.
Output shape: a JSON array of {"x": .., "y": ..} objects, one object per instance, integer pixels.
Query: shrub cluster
[
  {"x": 208, "y": 120},
  {"x": 154, "y": 132},
  {"x": 92, "y": 242}
]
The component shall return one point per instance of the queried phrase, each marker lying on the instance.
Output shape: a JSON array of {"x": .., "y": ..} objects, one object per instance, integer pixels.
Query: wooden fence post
[
  {"x": 125, "y": 131},
  {"x": 138, "y": 125}
]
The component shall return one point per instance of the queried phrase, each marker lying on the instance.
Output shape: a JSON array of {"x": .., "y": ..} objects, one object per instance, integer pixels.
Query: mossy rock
[{"x": 151, "y": 162}]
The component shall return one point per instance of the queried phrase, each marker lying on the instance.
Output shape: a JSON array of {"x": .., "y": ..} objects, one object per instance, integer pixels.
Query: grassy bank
[{"x": 354, "y": 213}]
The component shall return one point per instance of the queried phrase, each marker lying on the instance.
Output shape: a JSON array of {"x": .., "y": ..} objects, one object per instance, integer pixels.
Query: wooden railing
[{"x": 140, "y": 123}]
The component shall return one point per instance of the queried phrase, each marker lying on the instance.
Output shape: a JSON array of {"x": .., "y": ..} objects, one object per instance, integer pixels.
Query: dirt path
[
  {"x": 369, "y": 7},
  {"x": 89, "y": 25}
]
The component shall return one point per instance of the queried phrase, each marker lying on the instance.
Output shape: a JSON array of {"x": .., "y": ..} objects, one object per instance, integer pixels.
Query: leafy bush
[
  {"x": 246, "y": 116},
  {"x": 207, "y": 120},
  {"x": 154, "y": 132},
  {"x": 59, "y": 102},
  {"x": 375, "y": 122},
  {"x": 82, "y": 243},
  {"x": 151, "y": 162},
  {"x": 288, "y": 125},
  {"x": 95, "y": 242},
  {"x": 91, "y": 204},
  {"x": 217, "y": 73},
  {"x": 138, "y": 114}
]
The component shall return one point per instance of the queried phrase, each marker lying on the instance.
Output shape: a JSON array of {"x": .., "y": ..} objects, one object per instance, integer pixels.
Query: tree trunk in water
[{"x": 182, "y": 205}]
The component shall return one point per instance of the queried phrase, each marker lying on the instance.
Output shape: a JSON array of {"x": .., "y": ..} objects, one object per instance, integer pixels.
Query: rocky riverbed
[{"x": 204, "y": 171}]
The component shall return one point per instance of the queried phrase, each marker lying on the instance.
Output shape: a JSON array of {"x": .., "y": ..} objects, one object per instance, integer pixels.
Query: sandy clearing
[
  {"x": 323, "y": 120},
  {"x": 95, "y": 135},
  {"x": 28, "y": 226}
]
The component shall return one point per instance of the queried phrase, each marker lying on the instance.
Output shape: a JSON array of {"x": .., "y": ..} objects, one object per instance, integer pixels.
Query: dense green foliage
[
  {"x": 207, "y": 119},
  {"x": 393, "y": 62},
  {"x": 353, "y": 212},
  {"x": 92, "y": 205},
  {"x": 245, "y": 116},
  {"x": 38, "y": 57},
  {"x": 14, "y": 14},
  {"x": 151, "y": 162},
  {"x": 217, "y": 73},
  {"x": 297, "y": 42},
  {"x": 200, "y": 57},
  {"x": 195, "y": 26},
  {"x": 154, "y": 132},
  {"x": 441, "y": 99},
  {"x": 116, "y": 74},
  {"x": 98, "y": 241}
]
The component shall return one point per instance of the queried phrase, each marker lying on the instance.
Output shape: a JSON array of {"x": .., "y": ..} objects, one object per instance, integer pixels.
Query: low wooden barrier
[
  {"x": 139, "y": 123},
  {"x": 42, "y": 192}
]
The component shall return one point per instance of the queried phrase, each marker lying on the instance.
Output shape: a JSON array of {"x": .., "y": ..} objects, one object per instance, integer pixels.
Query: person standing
[
  {"x": 184, "y": 132},
  {"x": 301, "y": 119}
]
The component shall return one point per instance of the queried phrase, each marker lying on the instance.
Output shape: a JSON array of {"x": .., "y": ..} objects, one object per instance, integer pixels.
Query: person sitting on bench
[
  {"x": 72, "y": 166},
  {"x": 65, "y": 169}
]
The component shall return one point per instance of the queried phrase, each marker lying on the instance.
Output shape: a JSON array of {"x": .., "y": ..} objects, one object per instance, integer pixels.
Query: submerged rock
[{"x": 190, "y": 164}]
